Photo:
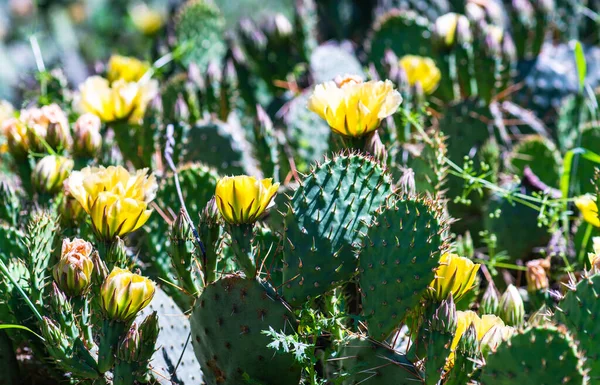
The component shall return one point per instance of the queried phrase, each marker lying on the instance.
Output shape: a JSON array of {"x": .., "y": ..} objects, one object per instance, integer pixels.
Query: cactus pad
[
  {"x": 542, "y": 157},
  {"x": 227, "y": 325},
  {"x": 579, "y": 311},
  {"x": 323, "y": 220},
  {"x": 543, "y": 356},
  {"x": 370, "y": 363},
  {"x": 398, "y": 258}
]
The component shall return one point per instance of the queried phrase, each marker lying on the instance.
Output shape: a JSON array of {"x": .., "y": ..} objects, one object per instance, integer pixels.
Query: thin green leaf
[
  {"x": 580, "y": 63},
  {"x": 9, "y": 326},
  {"x": 568, "y": 164}
]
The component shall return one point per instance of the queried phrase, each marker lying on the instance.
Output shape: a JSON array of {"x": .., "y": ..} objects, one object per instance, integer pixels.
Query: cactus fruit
[
  {"x": 575, "y": 310},
  {"x": 323, "y": 219},
  {"x": 369, "y": 362},
  {"x": 555, "y": 359},
  {"x": 398, "y": 256},
  {"x": 227, "y": 324}
]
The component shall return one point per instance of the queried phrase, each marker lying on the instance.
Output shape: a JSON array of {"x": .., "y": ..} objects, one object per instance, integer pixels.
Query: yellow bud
[
  {"x": 87, "y": 135},
  {"x": 50, "y": 172},
  {"x": 354, "y": 108},
  {"x": 73, "y": 272},
  {"x": 146, "y": 20},
  {"x": 589, "y": 210},
  {"x": 126, "y": 68},
  {"x": 123, "y": 294},
  {"x": 454, "y": 275},
  {"x": 16, "y": 135},
  {"x": 421, "y": 70},
  {"x": 243, "y": 199},
  {"x": 116, "y": 201}
]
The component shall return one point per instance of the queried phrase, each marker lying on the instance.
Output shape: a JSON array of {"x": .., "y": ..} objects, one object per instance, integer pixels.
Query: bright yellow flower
[
  {"x": 354, "y": 108},
  {"x": 126, "y": 68},
  {"x": 454, "y": 275},
  {"x": 147, "y": 20},
  {"x": 116, "y": 200},
  {"x": 243, "y": 199},
  {"x": 490, "y": 330},
  {"x": 422, "y": 70},
  {"x": 587, "y": 205},
  {"x": 118, "y": 101},
  {"x": 123, "y": 294}
]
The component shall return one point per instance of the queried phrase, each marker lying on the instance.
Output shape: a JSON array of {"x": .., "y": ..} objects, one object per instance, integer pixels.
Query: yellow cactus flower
[
  {"x": 354, "y": 108},
  {"x": 421, "y": 70},
  {"x": 595, "y": 256},
  {"x": 587, "y": 205},
  {"x": 454, "y": 275},
  {"x": 123, "y": 294},
  {"x": 243, "y": 199},
  {"x": 73, "y": 272},
  {"x": 116, "y": 200},
  {"x": 119, "y": 101},
  {"x": 125, "y": 68},
  {"x": 147, "y": 20},
  {"x": 490, "y": 331},
  {"x": 16, "y": 137},
  {"x": 537, "y": 274}
]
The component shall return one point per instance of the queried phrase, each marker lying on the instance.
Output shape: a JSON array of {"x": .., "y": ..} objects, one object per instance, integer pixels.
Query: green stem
[
  {"x": 584, "y": 243},
  {"x": 241, "y": 243},
  {"x": 109, "y": 339}
]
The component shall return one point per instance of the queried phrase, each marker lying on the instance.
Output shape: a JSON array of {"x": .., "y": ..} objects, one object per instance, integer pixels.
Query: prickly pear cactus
[
  {"x": 372, "y": 363},
  {"x": 540, "y": 155},
  {"x": 323, "y": 220},
  {"x": 228, "y": 321},
  {"x": 398, "y": 256},
  {"x": 541, "y": 355},
  {"x": 220, "y": 145},
  {"x": 172, "y": 344},
  {"x": 328, "y": 61},
  {"x": 578, "y": 312},
  {"x": 403, "y": 32},
  {"x": 200, "y": 27}
]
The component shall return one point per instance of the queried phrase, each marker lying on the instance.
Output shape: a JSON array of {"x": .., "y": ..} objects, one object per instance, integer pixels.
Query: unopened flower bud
[
  {"x": 124, "y": 294},
  {"x": 469, "y": 344},
  {"x": 278, "y": 26},
  {"x": 87, "y": 135},
  {"x": 445, "y": 28},
  {"x": 490, "y": 301},
  {"x": 16, "y": 135},
  {"x": 445, "y": 318},
  {"x": 375, "y": 147},
  {"x": 595, "y": 256},
  {"x": 100, "y": 269},
  {"x": 50, "y": 172},
  {"x": 149, "y": 330},
  {"x": 537, "y": 274},
  {"x": 129, "y": 348},
  {"x": 58, "y": 133},
  {"x": 73, "y": 272},
  {"x": 512, "y": 308}
]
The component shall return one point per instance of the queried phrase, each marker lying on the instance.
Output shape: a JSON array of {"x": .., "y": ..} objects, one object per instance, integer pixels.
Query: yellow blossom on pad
[
  {"x": 421, "y": 70},
  {"x": 589, "y": 210},
  {"x": 123, "y": 294},
  {"x": 354, "y": 108},
  {"x": 126, "y": 68},
  {"x": 243, "y": 199},
  {"x": 454, "y": 275},
  {"x": 116, "y": 200}
]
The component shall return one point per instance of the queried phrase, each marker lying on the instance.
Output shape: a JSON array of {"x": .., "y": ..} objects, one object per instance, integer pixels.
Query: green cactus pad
[
  {"x": 171, "y": 344},
  {"x": 367, "y": 362},
  {"x": 199, "y": 26},
  {"x": 329, "y": 61},
  {"x": 220, "y": 145},
  {"x": 579, "y": 312},
  {"x": 542, "y": 157},
  {"x": 324, "y": 217},
  {"x": 541, "y": 356},
  {"x": 399, "y": 254},
  {"x": 306, "y": 132},
  {"x": 228, "y": 321},
  {"x": 11, "y": 242},
  {"x": 403, "y": 32}
]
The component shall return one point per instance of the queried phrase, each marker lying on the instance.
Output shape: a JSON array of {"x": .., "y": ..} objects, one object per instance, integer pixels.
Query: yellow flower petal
[
  {"x": 243, "y": 199},
  {"x": 587, "y": 205},
  {"x": 422, "y": 70}
]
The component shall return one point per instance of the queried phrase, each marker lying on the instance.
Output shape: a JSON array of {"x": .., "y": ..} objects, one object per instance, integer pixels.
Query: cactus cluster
[{"x": 314, "y": 192}]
